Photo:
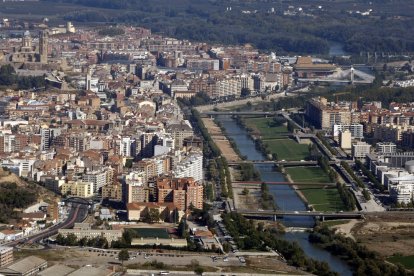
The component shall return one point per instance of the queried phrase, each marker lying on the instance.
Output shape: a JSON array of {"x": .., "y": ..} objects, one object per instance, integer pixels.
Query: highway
[{"x": 77, "y": 214}]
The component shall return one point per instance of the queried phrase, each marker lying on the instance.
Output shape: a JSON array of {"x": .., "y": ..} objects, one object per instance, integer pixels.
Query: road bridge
[
  {"x": 276, "y": 162},
  {"x": 266, "y": 113},
  {"x": 280, "y": 162},
  {"x": 282, "y": 183},
  {"x": 274, "y": 214}
]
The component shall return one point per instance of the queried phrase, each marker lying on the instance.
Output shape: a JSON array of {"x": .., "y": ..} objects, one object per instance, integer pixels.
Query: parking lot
[{"x": 89, "y": 256}]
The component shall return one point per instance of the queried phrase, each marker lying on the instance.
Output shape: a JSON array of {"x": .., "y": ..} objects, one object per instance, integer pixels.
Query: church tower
[{"x": 43, "y": 41}]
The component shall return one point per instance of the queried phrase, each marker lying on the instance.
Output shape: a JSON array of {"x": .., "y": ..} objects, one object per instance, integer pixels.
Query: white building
[
  {"x": 402, "y": 188},
  {"x": 360, "y": 150},
  {"x": 192, "y": 166},
  {"x": 98, "y": 178},
  {"x": 357, "y": 130},
  {"x": 127, "y": 147},
  {"x": 384, "y": 147}
]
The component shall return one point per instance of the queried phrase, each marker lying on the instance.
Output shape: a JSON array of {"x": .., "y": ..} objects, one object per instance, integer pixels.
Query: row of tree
[
  {"x": 72, "y": 240},
  {"x": 350, "y": 171},
  {"x": 212, "y": 152},
  {"x": 324, "y": 164},
  {"x": 370, "y": 176},
  {"x": 346, "y": 196},
  {"x": 266, "y": 198},
  {"x": 359, "y": 258},
  {"x": 248, "y": 172},
  {"x": 249, "y": 236}
]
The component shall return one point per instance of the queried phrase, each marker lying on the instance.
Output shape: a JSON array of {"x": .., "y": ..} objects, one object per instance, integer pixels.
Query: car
[
  {"x": 225, "y": 259},
  {"x": 296, "y": 212}
]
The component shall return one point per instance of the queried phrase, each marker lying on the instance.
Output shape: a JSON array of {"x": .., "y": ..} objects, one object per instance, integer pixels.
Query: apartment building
[
  {"x": 98, "y": 178},
  {"x": 168, "y": 211},
  {"x": 191, "y": 166},
  {"x": 179, "y": 132},
  {"x": 183, "y": 192},
  {"x": 78, "y": 188},
  {"x": 87, "y": 232},
  {"x": 356, "y": 130},
  {"x": 325, "y": 115},
  {"x": 385, "y": 147},
  {"x": 6, "y": 255},
  {"x": 203, "y": 64},
  {"x": 360, "y": 150}
]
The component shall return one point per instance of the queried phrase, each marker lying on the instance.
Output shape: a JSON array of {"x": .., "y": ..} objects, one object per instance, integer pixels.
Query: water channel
[{"x": 285, "y": 197}]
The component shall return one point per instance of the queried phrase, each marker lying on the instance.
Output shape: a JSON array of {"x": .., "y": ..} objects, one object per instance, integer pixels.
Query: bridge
[
  {"x": 350, "y": 75},
  {"x": 276, "y": 162},
  {"x": 279, "y": 162},
  {"x": 265, "y": 113},
  {"x": 78, "y": 200},
  {"x": 283, "y": 183},
  {"x": 315, "y": 214}
]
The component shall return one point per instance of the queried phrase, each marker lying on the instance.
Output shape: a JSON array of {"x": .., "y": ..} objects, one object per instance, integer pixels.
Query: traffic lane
[{"x": 74, "y": 216}]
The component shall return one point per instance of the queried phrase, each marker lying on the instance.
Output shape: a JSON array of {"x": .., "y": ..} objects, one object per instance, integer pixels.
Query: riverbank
[
  {"x": 284, "y": 196},
  {"x": 271, "y": 138},
  {"x": 220, "y": 140}
]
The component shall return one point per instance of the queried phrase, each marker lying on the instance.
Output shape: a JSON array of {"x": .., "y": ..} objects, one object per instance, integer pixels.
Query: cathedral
[{"x": 30, "y": 53}]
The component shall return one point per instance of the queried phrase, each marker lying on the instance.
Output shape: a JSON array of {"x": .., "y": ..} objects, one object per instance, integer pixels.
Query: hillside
[
  {"x": 298, "y": 26},
  {"x": 17, "y": 194}
]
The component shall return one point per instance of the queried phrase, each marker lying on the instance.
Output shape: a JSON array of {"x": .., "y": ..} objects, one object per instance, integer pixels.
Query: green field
[
  {"x": 406, "y": 261},
  {"x": 287, "y": 149},
  {"x": 152, "y": 232},
  {"x": 266, "y": 128},
  {"x": 327, "y": 199},
  {"x": 308, "y": 174}
]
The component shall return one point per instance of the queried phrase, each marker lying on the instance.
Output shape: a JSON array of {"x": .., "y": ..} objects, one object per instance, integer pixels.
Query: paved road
[{"x": 77, "y": 214}]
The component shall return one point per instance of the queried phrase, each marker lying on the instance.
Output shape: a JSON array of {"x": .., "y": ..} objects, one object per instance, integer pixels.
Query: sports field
[
  {"x": 161, "y": 233},
  {"x": 266, "y": 128},
  {"x": 308, "y": 174},
  {"x": 287, "y": 149},
  {"x": 323, "y": 199}
]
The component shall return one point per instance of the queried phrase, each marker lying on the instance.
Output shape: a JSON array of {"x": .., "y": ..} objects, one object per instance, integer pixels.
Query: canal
[{"x": 285, "y": 197}]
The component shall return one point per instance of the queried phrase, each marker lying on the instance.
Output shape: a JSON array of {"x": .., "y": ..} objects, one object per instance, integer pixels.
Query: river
[{"x": 285, "y": 197}]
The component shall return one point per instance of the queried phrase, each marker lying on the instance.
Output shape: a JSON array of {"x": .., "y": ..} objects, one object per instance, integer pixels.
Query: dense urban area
[{"x": 133, "y": 142}]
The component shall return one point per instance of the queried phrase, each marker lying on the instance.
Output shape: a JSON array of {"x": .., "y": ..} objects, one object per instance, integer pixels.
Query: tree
[
  {"x": 199, "y": 270},
  {"x": 226, "y": 247},
  {"x": 123, "y": 255},
  {"x": 245, "y": 92},
  {"x": 128, "y": 163},
  {"x": 245, "y": 191},
  {"x": 290, "y": 126},
  {"x": 71, "y": 239},
  {"x": 153, "y": 215}
]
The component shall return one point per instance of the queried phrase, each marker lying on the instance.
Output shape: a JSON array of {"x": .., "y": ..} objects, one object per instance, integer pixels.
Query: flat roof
[
  {"x": 91, "y": 271},
  {"x": 57, "y": 270},
  {"x": 26, "y": 264}
]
